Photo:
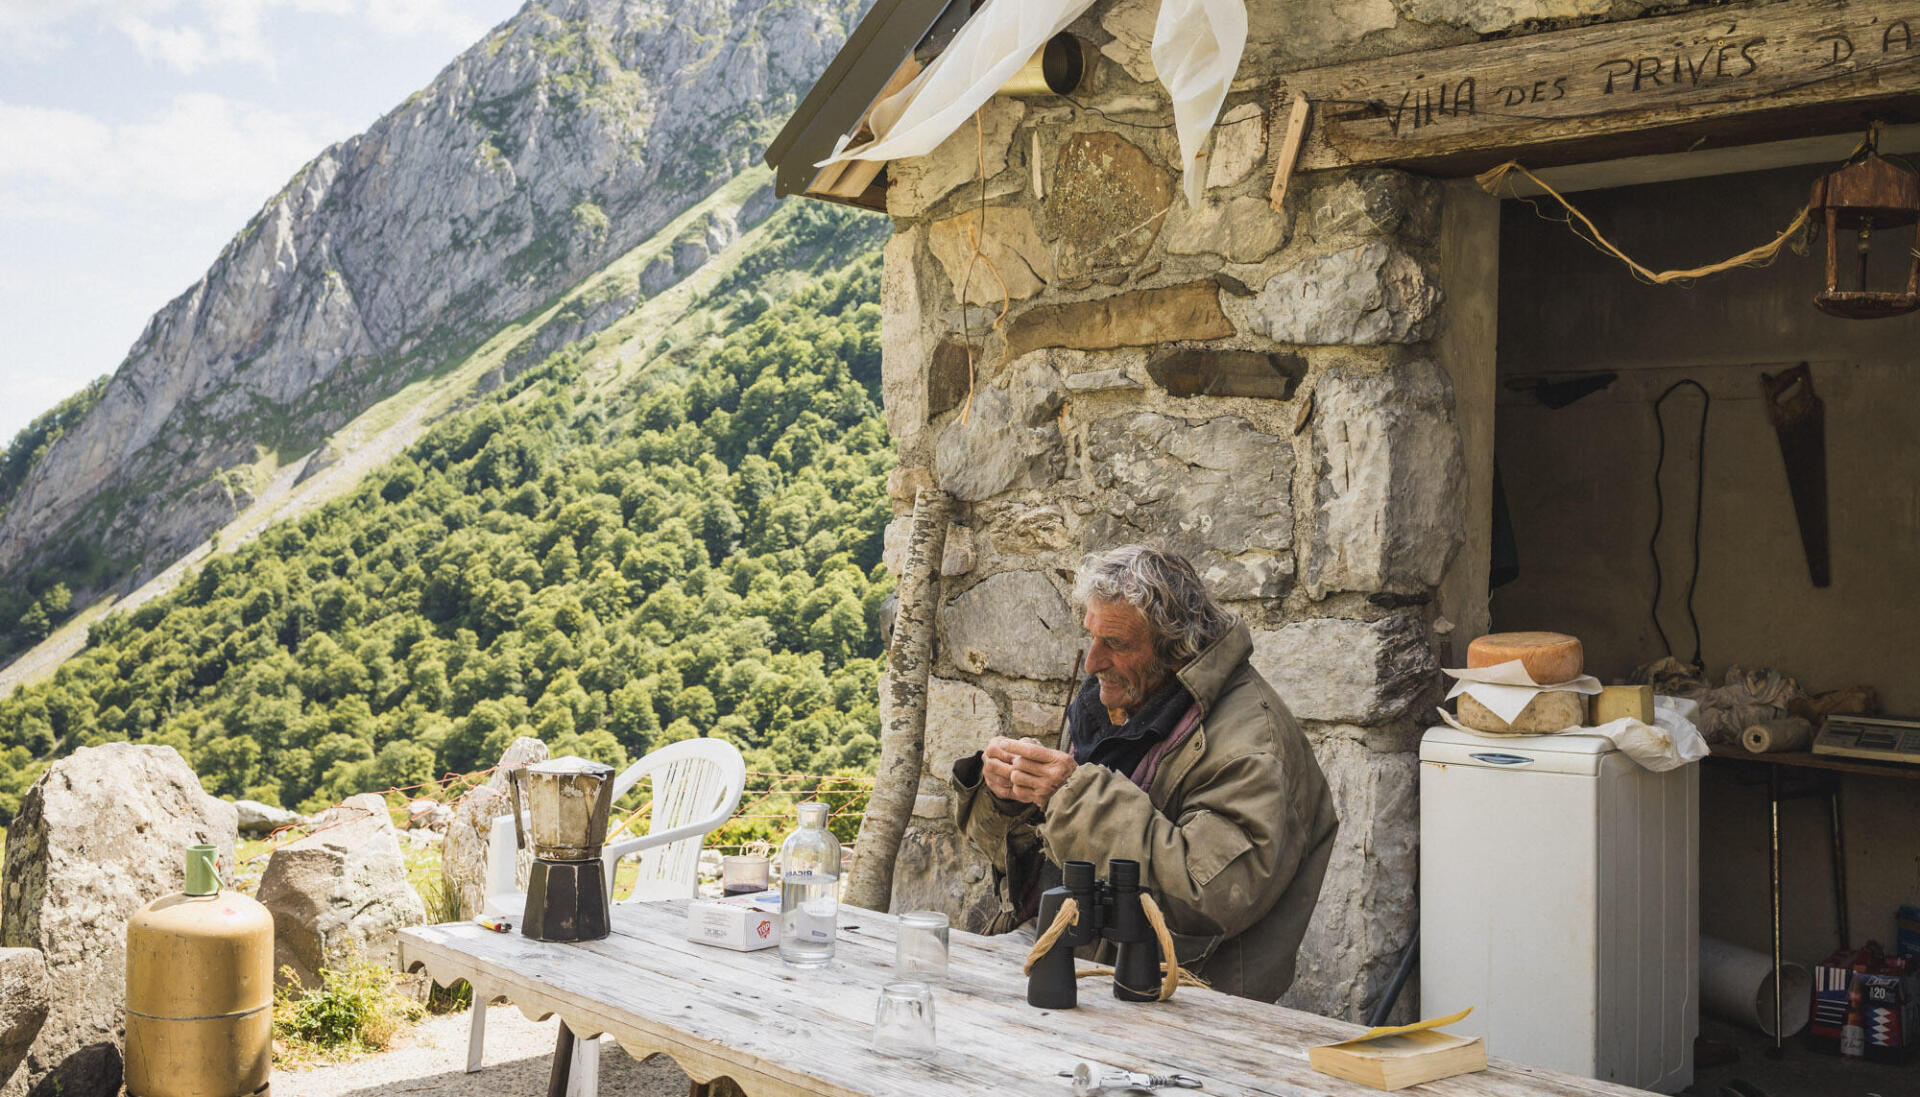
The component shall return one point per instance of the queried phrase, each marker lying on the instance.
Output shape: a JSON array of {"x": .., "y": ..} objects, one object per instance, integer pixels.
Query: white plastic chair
[{"x": 697, "y": 785}]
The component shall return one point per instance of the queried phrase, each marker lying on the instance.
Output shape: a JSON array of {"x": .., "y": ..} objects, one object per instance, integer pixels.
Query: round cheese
[
  {"x": 1550, "y": 657},
  {"x": 1549, "y": 712}
]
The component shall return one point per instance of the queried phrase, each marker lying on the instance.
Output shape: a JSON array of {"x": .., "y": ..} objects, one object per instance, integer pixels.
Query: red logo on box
[{"x": 764, "y": 928}]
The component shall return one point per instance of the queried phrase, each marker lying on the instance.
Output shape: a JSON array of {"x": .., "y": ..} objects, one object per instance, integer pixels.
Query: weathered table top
[{"x": 779, "y": 1031}]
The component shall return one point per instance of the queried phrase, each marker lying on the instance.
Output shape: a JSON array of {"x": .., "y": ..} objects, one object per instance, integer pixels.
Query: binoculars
[{"x": 1110, "y": 910}]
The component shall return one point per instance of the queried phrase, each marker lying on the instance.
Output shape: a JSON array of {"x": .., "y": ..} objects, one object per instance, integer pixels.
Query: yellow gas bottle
[{"x": 200, "y": 991}]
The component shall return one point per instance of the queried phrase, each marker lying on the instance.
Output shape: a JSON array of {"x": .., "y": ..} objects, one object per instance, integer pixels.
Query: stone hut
[{"x": 1301, "y": 394}]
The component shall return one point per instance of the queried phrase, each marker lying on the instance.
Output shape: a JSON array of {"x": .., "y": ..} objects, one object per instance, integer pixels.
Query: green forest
[{"x": 693, "y": 552}]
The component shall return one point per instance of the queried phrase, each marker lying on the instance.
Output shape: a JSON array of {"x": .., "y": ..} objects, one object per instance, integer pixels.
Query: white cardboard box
[{"x": 742, "y": 923}]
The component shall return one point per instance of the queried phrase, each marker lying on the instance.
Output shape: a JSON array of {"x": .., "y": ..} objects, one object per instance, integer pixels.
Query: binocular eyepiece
[{"x": 1109, "y": 909}]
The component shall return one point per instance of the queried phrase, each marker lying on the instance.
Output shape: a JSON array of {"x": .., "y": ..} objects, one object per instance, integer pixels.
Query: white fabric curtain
[
  {"x": 1196, "y": 50},
  {"x": 986, "y": 53}
]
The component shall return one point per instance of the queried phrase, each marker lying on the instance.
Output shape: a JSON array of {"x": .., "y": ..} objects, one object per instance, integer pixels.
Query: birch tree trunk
[{"x": 903, "y": 736}]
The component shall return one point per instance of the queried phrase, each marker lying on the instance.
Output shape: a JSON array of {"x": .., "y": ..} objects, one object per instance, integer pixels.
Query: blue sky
[{"x": 137, "y": 136}]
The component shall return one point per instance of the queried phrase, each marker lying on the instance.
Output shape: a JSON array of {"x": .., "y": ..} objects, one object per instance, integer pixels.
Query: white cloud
[
  {"x": 450, "y": 20},
  {"x": 189, "y": 35},
  {"x": 201, "y": 148}
]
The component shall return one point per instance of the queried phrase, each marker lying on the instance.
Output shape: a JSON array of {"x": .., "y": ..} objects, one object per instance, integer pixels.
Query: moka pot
[{"x": 568, "y": 801}]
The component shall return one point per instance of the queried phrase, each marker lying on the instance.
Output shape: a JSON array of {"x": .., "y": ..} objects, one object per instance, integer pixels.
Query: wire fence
[{"x": 769, "y": 808}]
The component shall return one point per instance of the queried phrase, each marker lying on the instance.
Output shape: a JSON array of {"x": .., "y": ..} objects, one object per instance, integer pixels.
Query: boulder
[
  {"x": 1363, "y": 672},
  {"x": 1368, "y": 903},
  {"x": 960, "y": 720},
  {"x": 426, "y": 814},
  {"x": 1020, "y": 529},
  {"x": 1137, "y": 318},
  {"x": 657, "y": 275},
  {"x": 1014, "y": 623},
  {"x": 257, "y": 818},
  {"x": 1388, "y": 480},
  {"x": 1011, "y": 441},
  {"x": 1219, "y": 492},
  {"x": 690, "y": 253},
  {"x": 1010, "y": 247},
  {"x": 463, "y": 859},
  {"x": 1105, "y": 204},
  {"x": 1241, "y": 230},
  {"x": 1363, "y": 296},
  {"x": 1374, "y": 204},
  {"x": 1239, "y": 145},
  {"x": 101, "y": 834},
  {"x": 340, "y": 895},
  {"x": 23, "y": 1004},
  {"x": 915, "y": 183},
  {"x": 939, "y": 869}
]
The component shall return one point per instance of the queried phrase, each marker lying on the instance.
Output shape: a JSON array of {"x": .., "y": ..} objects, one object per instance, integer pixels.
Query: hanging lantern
[{"x": 1869, "y": 194}]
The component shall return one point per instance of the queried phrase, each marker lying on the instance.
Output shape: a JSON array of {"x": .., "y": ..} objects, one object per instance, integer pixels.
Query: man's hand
[{"x": 1021, "y": 769}]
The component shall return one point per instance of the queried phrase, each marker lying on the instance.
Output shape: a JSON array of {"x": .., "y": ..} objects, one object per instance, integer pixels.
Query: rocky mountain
[{"x": 571, "y": 133}]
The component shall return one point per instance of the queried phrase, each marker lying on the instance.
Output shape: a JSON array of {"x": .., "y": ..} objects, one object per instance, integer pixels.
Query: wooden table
[{"x": 778, "y": 1031}]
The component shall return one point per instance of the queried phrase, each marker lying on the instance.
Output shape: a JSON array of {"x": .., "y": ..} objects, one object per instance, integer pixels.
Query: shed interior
[{"x": 1578, "y": 483}]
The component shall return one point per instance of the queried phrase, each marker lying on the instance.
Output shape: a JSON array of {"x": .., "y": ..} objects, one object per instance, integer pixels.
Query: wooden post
[
  {"x": 1289, "y": 154},
  {"x": 903, "y": 735}
]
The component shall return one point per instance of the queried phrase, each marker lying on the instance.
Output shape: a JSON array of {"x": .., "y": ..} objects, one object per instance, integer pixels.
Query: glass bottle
[{"x": 809, "y": 889}]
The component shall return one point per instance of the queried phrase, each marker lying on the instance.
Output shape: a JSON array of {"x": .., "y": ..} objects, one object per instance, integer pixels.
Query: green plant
[
  {"x": 441, "y": 897},
  {"x": 355, "y": 1010},
  {"x": 451, "y": 999}
]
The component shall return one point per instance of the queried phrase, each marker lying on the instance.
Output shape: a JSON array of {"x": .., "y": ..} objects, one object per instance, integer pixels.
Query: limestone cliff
[{"x": 571, "y": 133}]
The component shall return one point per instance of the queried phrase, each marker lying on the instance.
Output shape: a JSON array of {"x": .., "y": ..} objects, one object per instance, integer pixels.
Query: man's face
[{"x": 1121, "y": 655}]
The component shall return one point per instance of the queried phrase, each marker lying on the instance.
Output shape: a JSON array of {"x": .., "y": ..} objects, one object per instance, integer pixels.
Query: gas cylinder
[{"x": 200, "y": 991}]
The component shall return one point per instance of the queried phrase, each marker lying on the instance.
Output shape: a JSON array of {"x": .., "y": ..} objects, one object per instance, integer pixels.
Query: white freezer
[{"x": 1559, "y": 896}]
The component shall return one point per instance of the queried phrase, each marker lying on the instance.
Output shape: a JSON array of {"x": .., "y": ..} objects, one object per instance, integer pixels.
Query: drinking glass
[
  {"x": 903, "y": 1021},
  {"x": 920, "y": 949},
  {"x": 744, "y": 874}
]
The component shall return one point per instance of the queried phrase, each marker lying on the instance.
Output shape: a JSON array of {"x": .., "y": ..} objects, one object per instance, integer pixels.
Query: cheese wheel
[
  {"x": 1544, "y": 715},
  {"x": 1550, "y": 657}
]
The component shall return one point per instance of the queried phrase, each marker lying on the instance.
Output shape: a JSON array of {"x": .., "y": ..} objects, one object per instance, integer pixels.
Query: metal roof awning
[{"x": 870, "y": 66}]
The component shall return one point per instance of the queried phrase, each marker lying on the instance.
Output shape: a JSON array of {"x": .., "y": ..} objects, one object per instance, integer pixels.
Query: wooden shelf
[{"x": 1806, "y": 759}]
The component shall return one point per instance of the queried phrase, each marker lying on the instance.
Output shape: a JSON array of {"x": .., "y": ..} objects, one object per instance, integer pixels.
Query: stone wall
[{"x": 1270, "y": 393}]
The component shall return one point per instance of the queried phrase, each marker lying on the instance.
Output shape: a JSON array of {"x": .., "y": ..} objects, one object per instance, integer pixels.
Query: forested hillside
[{"x": 693, "y": 549}]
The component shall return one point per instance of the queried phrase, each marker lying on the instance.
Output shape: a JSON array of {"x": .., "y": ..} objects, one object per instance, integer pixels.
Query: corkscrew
[{"x": 1086, "y": 1084}]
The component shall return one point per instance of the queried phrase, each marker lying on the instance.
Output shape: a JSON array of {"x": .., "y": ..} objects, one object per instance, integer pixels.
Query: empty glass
[
  {"x": 903, "y": 1020},
  {"x": 920, "y": 950}
]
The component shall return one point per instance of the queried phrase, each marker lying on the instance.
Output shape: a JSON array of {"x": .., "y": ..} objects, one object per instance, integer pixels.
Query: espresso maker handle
[{"x": 513, "y": 788}]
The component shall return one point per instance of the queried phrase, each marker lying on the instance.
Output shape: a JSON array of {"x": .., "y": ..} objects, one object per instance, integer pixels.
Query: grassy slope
[{"x": 387, "y": 428}]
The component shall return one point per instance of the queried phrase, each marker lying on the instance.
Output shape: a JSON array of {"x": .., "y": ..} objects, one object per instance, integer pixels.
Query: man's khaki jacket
[{"x": 1233, "y": 836}]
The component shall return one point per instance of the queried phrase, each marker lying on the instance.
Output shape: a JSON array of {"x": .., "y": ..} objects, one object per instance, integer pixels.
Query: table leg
[
  {"x": 476, "y": 1035},
  {"x": 1778, "y": 1050},
  {"x": 1839, "y": 866},
  {"x": 562, "y": 1063},
  {"x": 719, "y": 1087}
]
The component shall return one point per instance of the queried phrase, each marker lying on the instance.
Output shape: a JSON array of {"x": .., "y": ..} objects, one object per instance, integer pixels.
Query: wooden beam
[
  {"x": 1725, "y": 76},
  {"x": 849, "y": 179}
]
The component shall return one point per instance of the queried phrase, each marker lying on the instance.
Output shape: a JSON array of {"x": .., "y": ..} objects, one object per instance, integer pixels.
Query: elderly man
[{"x": 1177, "y": 755}]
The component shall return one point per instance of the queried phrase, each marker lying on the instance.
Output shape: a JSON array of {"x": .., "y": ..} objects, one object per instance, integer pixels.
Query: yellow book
[{"x": 1394, "y": 1058}]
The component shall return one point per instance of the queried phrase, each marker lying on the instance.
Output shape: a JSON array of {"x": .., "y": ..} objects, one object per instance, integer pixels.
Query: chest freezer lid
[{"x": 1563, "y": 753}]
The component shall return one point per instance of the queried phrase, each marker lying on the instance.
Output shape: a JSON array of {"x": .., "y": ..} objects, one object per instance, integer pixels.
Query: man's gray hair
[{"x": 1166, "y": 590}]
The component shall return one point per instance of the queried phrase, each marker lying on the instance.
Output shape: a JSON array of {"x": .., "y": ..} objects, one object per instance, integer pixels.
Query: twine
[
  {"x": 1492, "y": 180},
  {"x": 1064, "y": 919},
  {"x": 974, "y": 236}
]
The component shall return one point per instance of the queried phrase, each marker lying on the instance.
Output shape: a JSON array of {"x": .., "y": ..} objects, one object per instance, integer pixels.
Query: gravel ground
[{"x": 431, "y": 1058}]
